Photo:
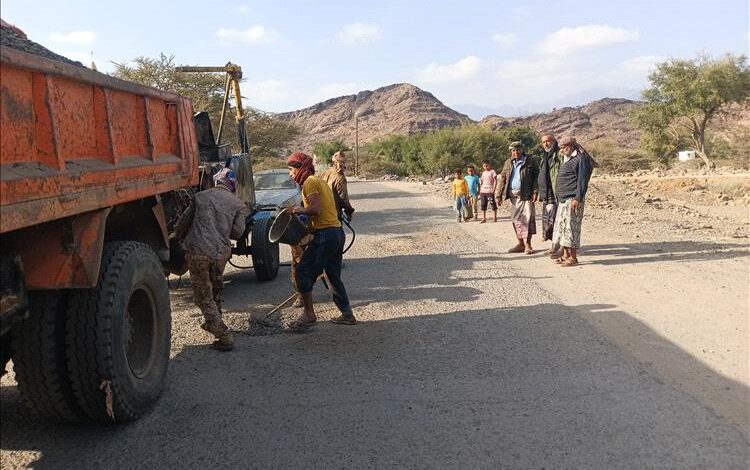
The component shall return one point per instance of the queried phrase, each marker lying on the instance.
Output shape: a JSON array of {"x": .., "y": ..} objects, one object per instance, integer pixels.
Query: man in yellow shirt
[
  {"x": 460, "y": 192},
  {"x": 324, "y": 251}
]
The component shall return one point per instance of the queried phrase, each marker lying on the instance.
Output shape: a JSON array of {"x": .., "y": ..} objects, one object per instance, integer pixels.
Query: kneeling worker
[
  {"x": 324, "y": 252},
  {"x": 214, "y": 216}
]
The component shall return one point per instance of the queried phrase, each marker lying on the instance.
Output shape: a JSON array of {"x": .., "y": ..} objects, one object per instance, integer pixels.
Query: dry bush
[
  {"x": 268, "y": 163},
  {"x": 371, "y": 166},
  {"x": 613, "y": 158}
]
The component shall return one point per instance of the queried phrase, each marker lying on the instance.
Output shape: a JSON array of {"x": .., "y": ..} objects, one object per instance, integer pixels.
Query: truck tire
[
  {"x": 6, "y": 348},
  {"x": 265, "y": 254},
  {"x": 119, "y": 333},
  {"x": 39, "y": 359}
]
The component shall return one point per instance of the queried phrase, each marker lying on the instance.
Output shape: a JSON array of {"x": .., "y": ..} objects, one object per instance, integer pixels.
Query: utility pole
[{"x": 356, "y": 144}]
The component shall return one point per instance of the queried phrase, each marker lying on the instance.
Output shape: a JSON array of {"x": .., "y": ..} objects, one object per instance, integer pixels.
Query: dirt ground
[
  {"x": 465, "y": 356},
  {"x": 671, "y": 249}
]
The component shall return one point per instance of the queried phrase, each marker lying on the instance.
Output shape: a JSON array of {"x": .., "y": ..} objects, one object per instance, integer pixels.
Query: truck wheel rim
[{"x": 140, "y": 331}]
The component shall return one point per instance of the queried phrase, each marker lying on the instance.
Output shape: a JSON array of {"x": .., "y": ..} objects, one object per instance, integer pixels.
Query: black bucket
[{"x": 287, "y": 228}]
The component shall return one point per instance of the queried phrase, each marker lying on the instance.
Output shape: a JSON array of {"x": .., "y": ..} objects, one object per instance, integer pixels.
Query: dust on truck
[{"x": 87, "y": 165}]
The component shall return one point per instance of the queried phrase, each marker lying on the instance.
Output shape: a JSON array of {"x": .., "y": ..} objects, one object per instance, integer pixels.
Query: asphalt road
[{"x": 461, "y": 360}]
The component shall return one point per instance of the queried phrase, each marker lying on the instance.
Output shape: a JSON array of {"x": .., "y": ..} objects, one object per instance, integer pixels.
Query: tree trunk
[
  {"x": 699, "y": 137},
  {"x": 709, "y": 164}
]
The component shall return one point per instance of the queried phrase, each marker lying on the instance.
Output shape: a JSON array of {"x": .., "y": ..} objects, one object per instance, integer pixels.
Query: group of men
[
  {"x": 558, "y": 179},
  {"x": 217, "y": 215}
]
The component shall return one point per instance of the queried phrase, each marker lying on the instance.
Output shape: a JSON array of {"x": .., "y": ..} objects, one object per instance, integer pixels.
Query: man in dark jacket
[
  {"x": 518, "y": 184},
  {"x": 549, "y": 168},
  {"x": 214, "y": 217},
  {"x": 570, "y": 189}
]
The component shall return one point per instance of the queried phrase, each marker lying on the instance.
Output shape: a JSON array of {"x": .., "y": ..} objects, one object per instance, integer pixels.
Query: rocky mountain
[
  {"x": 395, "y": 109},
  {"x": 605, "y": 118},
  {"x": 405, "y": 109}
]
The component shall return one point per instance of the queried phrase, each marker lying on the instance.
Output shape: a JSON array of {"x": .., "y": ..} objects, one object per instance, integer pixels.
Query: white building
[{"x": 685, "y": 155}]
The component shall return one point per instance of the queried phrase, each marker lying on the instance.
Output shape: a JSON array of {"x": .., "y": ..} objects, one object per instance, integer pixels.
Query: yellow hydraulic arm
[{"x": 234, "y": 75}]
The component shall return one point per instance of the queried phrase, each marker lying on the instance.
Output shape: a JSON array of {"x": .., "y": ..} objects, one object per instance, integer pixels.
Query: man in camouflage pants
[{"x": 214, "y": 216}]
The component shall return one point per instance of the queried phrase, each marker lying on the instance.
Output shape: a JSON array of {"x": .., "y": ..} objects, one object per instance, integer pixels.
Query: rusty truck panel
[
  {"x": 76, "y": 141},
  {"x": 90, "y": 169}
]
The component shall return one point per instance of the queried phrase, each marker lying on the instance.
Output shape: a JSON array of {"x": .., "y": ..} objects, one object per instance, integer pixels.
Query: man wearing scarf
[
  {"x": 324, "y": 252},
  {"x": 518, "y": 184},
  {"x": 570, "y": 189},
  {"x": 214, "y": 217},
  {"x": 548, "y": 170},
  {"x": 335, "y": 177}
]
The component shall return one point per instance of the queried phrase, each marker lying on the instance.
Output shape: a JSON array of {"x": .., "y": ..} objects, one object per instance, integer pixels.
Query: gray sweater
[{"x": 573, "y": 179}]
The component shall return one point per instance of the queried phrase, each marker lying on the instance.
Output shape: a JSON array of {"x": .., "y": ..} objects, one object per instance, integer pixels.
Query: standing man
[
  {"x": 205, "y": 228},
  {"x": 472, "y": 180},
  {"x": 518, "y": 184},
  {"x": 570, "y": 188},
  {"x": 487, "y": 183},
  {"x": 549, "y": 168},
  {"x": 324, "y": 252},
  {"x": 335, "y": 177}
]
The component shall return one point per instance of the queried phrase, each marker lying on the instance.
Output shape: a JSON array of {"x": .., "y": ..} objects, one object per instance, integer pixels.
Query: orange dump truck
[{"x": 87, "y": 165}]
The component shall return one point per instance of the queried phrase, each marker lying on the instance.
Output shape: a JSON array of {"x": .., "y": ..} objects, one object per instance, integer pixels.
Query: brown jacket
[
  {"x": 337, "y": 182},
  {"x": 529, "y": 175},
  {"x": 214, "y": 216}
]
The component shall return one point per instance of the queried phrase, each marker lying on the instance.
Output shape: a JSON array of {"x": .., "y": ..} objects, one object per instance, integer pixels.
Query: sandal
[
  {"x": 529, "y": 250},
  {"x": 516, "y": 249},
  {"x": 560, "y": 260},
  {"x": 344, "y": 320},
  {"x": 569, "y": 262},
  {"x": 301, "y": 323}
]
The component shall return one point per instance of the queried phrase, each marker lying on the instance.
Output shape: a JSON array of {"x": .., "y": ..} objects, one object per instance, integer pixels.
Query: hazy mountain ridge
[
  {"x": 604, "y": 118},
  {"x": 406, "y": 109}
]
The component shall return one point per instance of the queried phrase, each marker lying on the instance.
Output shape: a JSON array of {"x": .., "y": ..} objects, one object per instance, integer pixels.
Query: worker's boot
[
  {"x": 224, "y": 342},
  {"x": 224, "y": 338},
  {"x": 215, "y": 325}
]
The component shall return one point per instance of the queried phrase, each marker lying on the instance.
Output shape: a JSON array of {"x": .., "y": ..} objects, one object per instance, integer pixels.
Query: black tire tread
[
  {"x": 265, "y": 265},
  {"x": 39, "y": 359},
  {"x": 89, "y": 339}
]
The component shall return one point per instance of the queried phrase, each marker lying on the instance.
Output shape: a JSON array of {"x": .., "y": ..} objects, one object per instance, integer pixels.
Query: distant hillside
[
  {"x": 605, "y": 118},
  {"x": 395, "y": 109},
  {"x": 405, "y": 109}
]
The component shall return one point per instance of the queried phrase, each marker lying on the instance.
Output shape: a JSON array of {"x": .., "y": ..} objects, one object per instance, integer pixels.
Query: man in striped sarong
[
  {"x": 570, "y": 188},
  {"x": 518, "y": 184}
]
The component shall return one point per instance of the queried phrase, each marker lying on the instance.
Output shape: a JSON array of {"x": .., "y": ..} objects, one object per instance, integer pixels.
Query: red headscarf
[{"x": 303, "y": 163}]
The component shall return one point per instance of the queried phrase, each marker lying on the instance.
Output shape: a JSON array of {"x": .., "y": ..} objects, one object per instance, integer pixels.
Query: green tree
[
  {"x": 324, "y": 150},
  {"x": 205, "y": 90},
  {"x": 443, "y": 151},
  {"x": 440, "y": 151},
  {"x": 267, "y": 135},
  {"x": 400, "y": 151},
  {"x": 684, "y": 97}
]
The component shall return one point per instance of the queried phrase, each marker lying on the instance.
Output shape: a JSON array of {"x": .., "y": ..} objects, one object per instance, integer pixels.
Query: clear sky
[{"x": 475, "y": 56}]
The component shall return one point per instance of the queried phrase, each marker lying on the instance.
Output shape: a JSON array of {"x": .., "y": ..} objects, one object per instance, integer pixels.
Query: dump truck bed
[{"x": 73, "y": 140}]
